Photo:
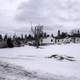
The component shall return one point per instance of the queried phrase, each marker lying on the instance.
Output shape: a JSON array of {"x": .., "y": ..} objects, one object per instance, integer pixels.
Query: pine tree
[
  {"x": 0, "y": 37},
  {"x": 9, "y": 43}
]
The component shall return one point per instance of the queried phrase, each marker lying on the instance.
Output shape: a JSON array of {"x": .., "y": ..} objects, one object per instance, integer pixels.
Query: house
[
  {"x": 77, "y": 40},
  {"x": 59, "y": 40},
  {"x": 49, "y": 40},
  {"x": 67, "y": 40}
]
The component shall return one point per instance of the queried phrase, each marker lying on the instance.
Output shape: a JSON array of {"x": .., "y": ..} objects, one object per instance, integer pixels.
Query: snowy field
[{"x": 54, "y": 62}]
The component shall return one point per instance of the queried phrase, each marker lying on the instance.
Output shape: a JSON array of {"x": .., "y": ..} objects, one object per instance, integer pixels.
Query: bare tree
[{"x": 38, "y": 34}]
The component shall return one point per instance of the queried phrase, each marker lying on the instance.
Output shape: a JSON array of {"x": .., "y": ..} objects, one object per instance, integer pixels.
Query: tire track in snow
[{"x": 12, "y": 72}]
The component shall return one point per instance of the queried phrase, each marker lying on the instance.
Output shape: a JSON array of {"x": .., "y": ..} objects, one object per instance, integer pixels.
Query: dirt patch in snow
[{"x": 62, "y": 57}]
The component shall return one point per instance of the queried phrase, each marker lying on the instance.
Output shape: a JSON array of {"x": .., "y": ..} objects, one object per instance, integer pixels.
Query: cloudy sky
[{"x": 17, "y": 15}]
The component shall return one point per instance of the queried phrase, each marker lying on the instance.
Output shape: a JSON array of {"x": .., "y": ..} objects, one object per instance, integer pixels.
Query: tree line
[{"x": 37, "y": 37}]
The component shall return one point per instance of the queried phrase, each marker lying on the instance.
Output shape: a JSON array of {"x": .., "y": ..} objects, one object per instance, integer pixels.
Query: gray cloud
[
  {"x": 36, "y": 12},
  {"x": 15, "y": 14},
  {"x": 8, "y": 9},
  {"x": 60, "y": 12}
]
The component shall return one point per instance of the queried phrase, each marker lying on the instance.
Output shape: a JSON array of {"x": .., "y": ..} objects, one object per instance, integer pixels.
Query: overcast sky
[{"x": 16, "y": 15}]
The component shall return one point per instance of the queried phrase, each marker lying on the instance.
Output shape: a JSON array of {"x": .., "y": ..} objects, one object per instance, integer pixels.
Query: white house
[
  {"x": 67, "y": 40},
  {"x": 77, "y": 40},
  {"x": 49, "y": 40},
  {"x": 63, "y": 40}
]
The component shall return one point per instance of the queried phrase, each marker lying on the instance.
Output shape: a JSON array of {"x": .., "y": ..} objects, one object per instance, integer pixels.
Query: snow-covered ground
[{"x": 39, "y": 63}]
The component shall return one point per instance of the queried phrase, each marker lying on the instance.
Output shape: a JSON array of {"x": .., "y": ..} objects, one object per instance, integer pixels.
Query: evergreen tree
[
  {"x": 9, "y": 43},
  {"x": 0, "y": 37},
  {"x": 58, "y": 32},
  {"x": 5, "y": 37}
]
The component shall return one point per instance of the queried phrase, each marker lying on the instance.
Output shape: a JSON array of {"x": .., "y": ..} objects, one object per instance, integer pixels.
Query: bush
[{"x": 9, "y": 43}]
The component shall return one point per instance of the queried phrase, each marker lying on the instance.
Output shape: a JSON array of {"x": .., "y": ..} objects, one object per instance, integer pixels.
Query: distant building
[{"x": 49, "y": 40}]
